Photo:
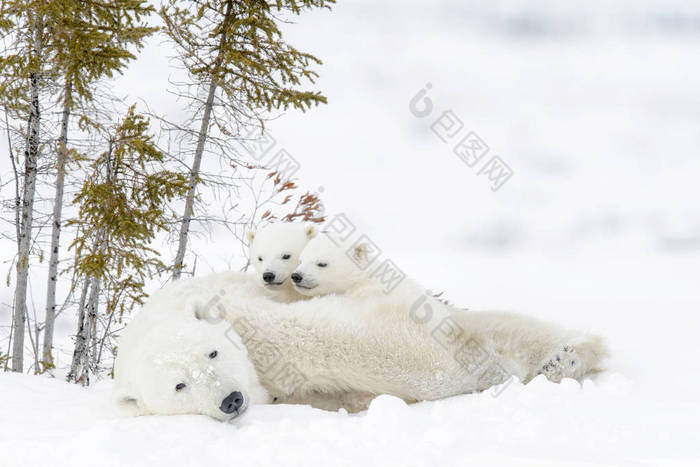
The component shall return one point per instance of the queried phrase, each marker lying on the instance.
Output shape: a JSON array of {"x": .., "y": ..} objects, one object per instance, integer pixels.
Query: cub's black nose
[
  {"x": 296, "y": 277},
  {"x": 268, "y": 277},
  {"x": 232, "y": 402}
]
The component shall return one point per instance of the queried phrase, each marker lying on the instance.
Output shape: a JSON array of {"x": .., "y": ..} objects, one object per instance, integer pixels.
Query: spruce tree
[
  {"x": 92, "y": 41},
  {"x": 123, "y": 204}
]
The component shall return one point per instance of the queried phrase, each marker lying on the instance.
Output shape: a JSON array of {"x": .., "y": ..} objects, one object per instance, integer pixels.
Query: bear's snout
[
  {"x": 232, "y": 403},
  {"x": 268, "y": 277},
  {"x": 296, "y": 277}
]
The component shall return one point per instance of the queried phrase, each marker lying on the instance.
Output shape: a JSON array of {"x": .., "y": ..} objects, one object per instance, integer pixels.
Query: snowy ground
[
  {"x": 595, "y": 107},
  {"x": 645, "y": 411}
]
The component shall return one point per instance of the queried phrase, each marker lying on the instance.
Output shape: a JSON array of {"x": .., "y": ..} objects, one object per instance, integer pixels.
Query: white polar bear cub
[
  {"x": 327, "y": 268},
  {"x": 274, "y": 253},
  {"x": 171, "y": 364}
]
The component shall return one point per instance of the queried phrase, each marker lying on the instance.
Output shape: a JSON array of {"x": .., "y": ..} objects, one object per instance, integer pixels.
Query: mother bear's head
[{"x": 171, "y": 365}]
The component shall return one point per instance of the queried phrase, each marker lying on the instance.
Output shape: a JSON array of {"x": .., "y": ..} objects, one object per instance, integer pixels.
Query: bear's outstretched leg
[{"x": 528, "y": 347}]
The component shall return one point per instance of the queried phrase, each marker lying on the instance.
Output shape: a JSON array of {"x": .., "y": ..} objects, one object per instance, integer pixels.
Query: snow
[
  {"x": 644, "y": 411},
  {"x": 607, "y": 422},
  {"x": 595, "y": 107}
]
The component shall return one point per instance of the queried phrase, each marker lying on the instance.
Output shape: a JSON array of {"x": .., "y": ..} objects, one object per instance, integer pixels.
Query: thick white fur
[
  {"x": 486, "y": 345},
  {"x": 353, "y": 348}
]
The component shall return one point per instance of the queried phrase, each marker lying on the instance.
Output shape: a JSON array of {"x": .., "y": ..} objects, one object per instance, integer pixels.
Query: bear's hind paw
[{"x": 563, "y": 364}]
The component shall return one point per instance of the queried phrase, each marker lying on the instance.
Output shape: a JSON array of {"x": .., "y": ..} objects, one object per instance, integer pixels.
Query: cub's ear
[
  {"x": 360, "y": 253},
  {"x": 250, "y": 236},
  {"x": 310, "y": 230}
]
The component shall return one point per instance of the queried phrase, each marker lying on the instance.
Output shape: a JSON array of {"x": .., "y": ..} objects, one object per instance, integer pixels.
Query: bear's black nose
[
  {"x": 268, "y": 277},
  {"x": 232, "y": 402},
  {"x": 296, "y": 277}
]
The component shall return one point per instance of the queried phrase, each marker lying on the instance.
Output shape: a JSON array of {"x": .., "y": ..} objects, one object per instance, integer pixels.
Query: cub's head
[
  {"x": 326, "y": 268},
  {"x": 185, "y": 367},
  {"x": 275, "y": 249}
]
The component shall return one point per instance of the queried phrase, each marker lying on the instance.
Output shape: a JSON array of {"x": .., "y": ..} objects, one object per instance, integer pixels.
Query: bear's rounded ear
[
  {"x": 310, "y": 230},
  {"x": 359, "y": 253},
  {"x": 212, "y": 312},
  {"x": 126, "y": 401},
  {"x": 250, "y": 236}
]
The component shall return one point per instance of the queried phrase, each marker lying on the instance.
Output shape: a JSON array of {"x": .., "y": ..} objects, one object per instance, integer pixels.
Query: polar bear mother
[
  {"x": 338, "y": 351},
  {"x": 170, "y": 364}
]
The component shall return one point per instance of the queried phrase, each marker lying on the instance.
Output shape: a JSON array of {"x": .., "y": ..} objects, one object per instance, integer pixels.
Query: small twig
[{"x": 16, "y": 178}]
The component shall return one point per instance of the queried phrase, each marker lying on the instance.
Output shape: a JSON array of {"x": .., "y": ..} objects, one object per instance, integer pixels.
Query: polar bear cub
[
  {"x": 326, "y": 267},
  {"x": 274, "y": 253}
]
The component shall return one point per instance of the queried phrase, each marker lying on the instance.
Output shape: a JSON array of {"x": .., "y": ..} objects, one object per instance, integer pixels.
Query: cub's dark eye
[
  {"x": 321, "y": 265},
  {"x": 287, "y": 256},
  {"x": 180, "y": 387},
  {"x": 213, "y": 354},
  {"x": 259, "y": 258}
]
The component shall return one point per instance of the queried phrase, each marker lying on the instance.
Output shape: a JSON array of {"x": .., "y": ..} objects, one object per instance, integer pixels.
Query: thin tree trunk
[
  {"x": 194, "y": 176},
  {"x": 18, "y": 198},
  {"x": 80, "y": 335},
  {"x": 88, "y": 356},
  {"x": 31, "y": 156},
  {"x": 62, "y": 156},
  {"x": 199, "y": 151},
  {"x": 34, "y": 339},
  {"x": 92, "y": 317},
  {"x": 105, "y": 336}
]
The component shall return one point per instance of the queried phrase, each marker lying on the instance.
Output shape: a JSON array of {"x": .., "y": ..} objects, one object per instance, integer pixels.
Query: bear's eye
[
  {"x": 321, "y": 265},
  {"x": 259, "y": 258},
  {"x": 213, "y": 354},
  {"x": 180, "y": 387},
  {"x": 286, "y": 256}
]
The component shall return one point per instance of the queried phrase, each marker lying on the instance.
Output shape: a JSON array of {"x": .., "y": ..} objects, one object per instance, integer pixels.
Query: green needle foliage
[
  {"x": 24, "y": 57},
  {"x": 92, "y": 39},
  {"x": 238, "y": 45},
  {"x": 122, "y": 206}
]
